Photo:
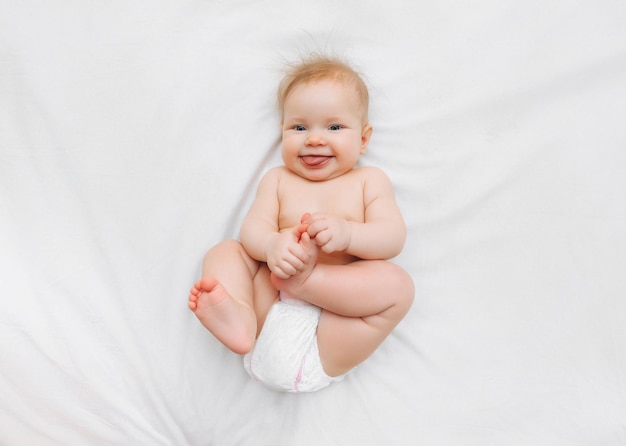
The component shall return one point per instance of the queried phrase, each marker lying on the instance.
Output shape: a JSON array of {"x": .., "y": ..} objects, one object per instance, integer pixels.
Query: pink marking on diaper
[
  {"x": 256, "y": 378},
  {"x": 298, "y": 379}
]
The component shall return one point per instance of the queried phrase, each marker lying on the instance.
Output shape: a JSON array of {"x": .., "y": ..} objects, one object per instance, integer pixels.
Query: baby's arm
[
  {"x": 381, "y": 236},
  {"x": 260, "y": 235}
]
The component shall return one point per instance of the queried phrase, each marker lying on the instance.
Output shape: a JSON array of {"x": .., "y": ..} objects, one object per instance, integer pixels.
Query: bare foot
[
  {"x": 231, "y": 323},
  {"x": 294, "y": 284},
  {"x": 208, "y": 289}
]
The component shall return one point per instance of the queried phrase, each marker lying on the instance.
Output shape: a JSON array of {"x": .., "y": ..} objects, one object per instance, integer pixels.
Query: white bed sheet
[{"x": 132, "y": 135}]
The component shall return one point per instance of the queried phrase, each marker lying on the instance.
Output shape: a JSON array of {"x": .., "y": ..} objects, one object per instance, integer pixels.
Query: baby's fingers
[
  {"x": 316, "y": 228},
  {"x": 290, "y": 266},
  {"x": 285, "y": 271},
  {"x": 279, "y": 273}
]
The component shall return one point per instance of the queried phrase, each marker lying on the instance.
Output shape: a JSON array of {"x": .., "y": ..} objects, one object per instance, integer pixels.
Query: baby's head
[{"x": 320, "y": 68}]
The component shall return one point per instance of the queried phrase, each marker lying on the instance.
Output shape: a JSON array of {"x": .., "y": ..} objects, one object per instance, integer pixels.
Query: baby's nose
[{"x": 315, "y": 139}]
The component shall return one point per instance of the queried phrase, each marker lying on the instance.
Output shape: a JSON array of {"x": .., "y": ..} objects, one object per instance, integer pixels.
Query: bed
[{"x": 132, "y": 137}]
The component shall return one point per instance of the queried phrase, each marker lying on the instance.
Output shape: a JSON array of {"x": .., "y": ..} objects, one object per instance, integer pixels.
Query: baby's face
[{"x": 323, "y": 130}]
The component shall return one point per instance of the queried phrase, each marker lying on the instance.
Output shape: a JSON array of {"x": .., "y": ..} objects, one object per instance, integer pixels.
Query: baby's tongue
[{"x": 314, "y": 160}]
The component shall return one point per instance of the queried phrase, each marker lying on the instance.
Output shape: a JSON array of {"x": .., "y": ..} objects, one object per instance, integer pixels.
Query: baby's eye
[
  {"x": 335, "y": 127},
  {"x": 299, "y": 128}
]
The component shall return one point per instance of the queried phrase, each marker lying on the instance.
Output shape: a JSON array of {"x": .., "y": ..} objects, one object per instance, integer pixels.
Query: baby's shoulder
[
  {"x": 371, "y": 173},
  {"x": 376, "y": 183},
  {"x": 275, "y": 174}
]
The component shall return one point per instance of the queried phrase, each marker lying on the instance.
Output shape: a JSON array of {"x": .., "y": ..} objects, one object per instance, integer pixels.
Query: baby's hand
[
  {"x": 330, "y": 232},
  {"x": 285, "y": 257}
]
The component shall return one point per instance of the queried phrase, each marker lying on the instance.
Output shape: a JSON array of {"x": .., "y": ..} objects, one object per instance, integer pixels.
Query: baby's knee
[
  {"x": 224, "y": 248},
  {"x": 403, "y": 288},
  {"x": 230, "y": 245}
]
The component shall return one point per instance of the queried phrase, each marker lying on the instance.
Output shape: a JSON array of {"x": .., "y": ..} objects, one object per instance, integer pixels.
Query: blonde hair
[{"x": 317, "y": 68}]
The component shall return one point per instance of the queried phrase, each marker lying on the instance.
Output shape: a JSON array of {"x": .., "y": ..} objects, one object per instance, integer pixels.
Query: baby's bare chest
[{"x": 344, "y": 199}]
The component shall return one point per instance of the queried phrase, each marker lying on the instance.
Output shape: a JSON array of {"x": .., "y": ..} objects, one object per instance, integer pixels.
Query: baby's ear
[{"x": 366, "y": 134}]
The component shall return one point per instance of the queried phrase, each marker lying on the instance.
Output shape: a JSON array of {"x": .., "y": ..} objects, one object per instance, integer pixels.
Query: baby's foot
[
  {"x": 230, "y": 322},
  {"x": 205, "y": 293},
  {"x": 295, "y": 284}
]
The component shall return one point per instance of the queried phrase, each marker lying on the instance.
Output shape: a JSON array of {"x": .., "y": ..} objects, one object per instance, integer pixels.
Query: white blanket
[{"x": 132, "y": 136}]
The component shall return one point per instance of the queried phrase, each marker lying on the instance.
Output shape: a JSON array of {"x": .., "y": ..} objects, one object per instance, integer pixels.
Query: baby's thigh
[
  {"x": 345, "y": 342},
  {"x": 265, "y": 295}
]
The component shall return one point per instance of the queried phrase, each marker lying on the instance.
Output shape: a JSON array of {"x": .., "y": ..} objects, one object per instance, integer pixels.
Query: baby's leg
[
  {"x": 362, "y": 301},
  {"x": 359, "y": 289},
  {"x": 345, "y": 342},
  {"x": 233, "y": 296},
  {"x": 363, "y": 317}
]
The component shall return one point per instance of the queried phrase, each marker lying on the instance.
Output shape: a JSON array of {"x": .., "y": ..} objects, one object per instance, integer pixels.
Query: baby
[{"x": 308, "y": 293}]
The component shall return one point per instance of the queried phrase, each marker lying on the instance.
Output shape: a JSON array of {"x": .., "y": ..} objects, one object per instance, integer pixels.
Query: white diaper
[{"x": 285, "y": 356}]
